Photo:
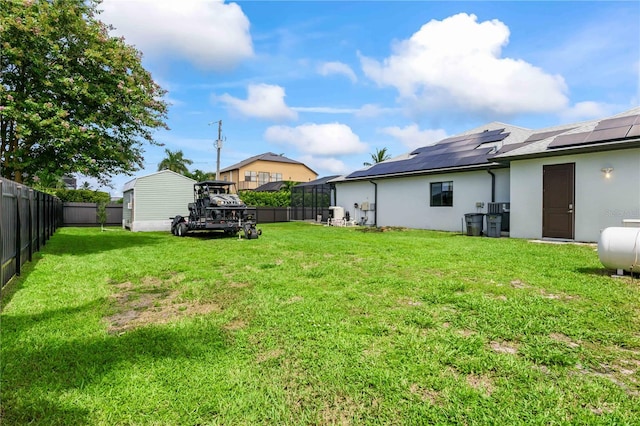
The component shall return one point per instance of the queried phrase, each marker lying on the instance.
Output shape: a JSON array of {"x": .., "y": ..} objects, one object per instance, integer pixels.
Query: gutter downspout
[
  {"x": 375, "y": 200},
  {"x": 493, "y": 185}
]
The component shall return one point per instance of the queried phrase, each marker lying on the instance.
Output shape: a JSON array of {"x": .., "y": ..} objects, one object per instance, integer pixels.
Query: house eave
[
  {"x": 585, "y": 149},
  {"x": 475, "y": 167}
]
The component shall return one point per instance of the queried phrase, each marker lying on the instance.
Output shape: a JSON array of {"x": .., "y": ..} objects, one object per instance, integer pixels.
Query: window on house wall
[
  {"x": 275, "y": 177},
  {"x": 442, "y": 194},
  {"x": 249, "y": 176},
  {"x": 263, "y": 177}
]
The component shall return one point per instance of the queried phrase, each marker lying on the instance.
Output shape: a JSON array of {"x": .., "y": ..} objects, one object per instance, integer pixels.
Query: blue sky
[{"x": 329, "y": 82}]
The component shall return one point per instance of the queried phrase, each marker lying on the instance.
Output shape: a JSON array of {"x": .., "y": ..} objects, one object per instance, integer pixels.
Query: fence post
[
  {"x": 18, "y": 229},
  {"x": 1, "y": 233},
  {"x": 38, "y": 221},
  {"x": 30, "y": 224}
]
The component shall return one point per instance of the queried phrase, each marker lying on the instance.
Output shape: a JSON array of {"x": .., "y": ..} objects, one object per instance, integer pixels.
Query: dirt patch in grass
[
  {"x": 238, "y": 285},
  {"x": 381, "y": 229},
  {"x": 150, "y": 303},
  {"x": 294, "y": 299},
  {"x": 504, "y": 347},
  {"x": 426, "y": 395},
  {"x": 236, "y": 324},
  {"x": 482, "y": 383},
  {"x": 559, "y": 337},
  {"x": 554, "y": 296},
  {"x": 342, "y": 410},
  {"x": 409, "y": 301},
  {"x": 620, "y": 375},
  {"x": 268, "y": 355},
  {"x": 519, "y": 284}
]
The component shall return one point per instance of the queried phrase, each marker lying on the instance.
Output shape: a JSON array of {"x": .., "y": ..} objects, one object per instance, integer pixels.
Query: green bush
[
  {"x": 82, "y": 196},
  {"x": 266, "y": 199}
]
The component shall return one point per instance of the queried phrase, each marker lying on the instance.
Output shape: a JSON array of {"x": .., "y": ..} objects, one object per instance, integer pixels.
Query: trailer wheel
[{"x": 181, "y": 229}]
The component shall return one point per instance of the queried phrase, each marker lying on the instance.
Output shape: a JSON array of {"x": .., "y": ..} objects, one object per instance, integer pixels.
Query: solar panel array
[
  {"x": 607, "y": 130},
  {"x": 458, "y": 151}
]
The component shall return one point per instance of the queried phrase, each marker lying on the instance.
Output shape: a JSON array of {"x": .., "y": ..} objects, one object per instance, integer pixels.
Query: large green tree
[
  {"x": 72, "y": 98},
  {"x": 175, "y": 162}
]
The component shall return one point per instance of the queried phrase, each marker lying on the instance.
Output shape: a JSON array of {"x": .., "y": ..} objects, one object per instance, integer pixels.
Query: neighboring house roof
[
  {"x": 132, "y": 183},
  {"x": 267, "y": 156},
  {"x": 320, "y": 181},
  {"x": 271, "y": 186},
  {"x": 494, "y": 144}
]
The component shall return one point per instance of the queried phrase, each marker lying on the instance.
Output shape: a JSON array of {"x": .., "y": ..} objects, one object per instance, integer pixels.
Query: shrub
[{"x": 82, "y": 196}]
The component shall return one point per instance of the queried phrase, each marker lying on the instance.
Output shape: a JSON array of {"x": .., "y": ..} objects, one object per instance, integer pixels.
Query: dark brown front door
[{"x": 558, "y": 203}]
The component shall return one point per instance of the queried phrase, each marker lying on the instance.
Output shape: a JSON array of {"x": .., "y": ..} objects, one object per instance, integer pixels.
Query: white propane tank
[{"x": 619, "y": 248}]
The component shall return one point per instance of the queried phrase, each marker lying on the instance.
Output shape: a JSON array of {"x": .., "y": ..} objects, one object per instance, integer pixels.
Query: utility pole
[{"x": 218, "y": 146}]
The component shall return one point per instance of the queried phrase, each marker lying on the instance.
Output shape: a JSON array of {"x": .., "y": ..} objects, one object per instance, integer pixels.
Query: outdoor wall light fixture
[{"x": 607, "y": 171}]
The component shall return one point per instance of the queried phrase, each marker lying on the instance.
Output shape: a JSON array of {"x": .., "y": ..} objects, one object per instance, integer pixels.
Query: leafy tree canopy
[
  {"x": 72, "y": 98},
  {"x": 82, "y": 196},
  {"x": 199, "y": 176}
]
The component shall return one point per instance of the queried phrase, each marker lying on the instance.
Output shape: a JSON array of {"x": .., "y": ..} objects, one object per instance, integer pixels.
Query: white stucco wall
[
  {"x": 599, "y": 202},
  {"x": 349, "y": 193},
  {"x": 406, "y": 201}
]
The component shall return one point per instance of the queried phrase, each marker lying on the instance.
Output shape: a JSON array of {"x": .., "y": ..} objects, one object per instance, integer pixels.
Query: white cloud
[
  {"x": 373, "y": 110},
  {"x": 211, "y": 34},
  {"x": 412, "y": 137},
  {"x": 326, "y": 110},
  {"x": 587, "y": 110},
  {"x": 365, "y": 111},
  {"x": 317, "y": 139},
  {"x": 329, "y": 68},
  {"x": 323, "y": 165},
  {"x": 263, "y": 101},
  {"x": 456, "y": 63}
]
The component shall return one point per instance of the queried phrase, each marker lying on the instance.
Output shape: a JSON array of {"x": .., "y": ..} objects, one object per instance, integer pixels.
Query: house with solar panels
[
  {"x": 571, "y": 182},
  {"x": 567, "y": 182}
]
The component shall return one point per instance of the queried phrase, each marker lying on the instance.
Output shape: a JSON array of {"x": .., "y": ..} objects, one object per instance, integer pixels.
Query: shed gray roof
[
  {"x": 132, "y": 183},
  {"x": 267, "y": 156}
]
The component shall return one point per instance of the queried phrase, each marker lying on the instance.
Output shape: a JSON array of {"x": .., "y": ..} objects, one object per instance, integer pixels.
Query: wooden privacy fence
[
  {"x": 86, "y": 214},
  {"x": 27, "y": 219}
]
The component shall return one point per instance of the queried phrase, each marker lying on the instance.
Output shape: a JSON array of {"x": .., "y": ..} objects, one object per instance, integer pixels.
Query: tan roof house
[{"x": 265, "y": 168}]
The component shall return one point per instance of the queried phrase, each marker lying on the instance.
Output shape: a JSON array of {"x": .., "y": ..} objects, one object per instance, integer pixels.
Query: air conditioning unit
[
  {"x": 503, "y": 209},
  {"x": 499, "y": 207}
]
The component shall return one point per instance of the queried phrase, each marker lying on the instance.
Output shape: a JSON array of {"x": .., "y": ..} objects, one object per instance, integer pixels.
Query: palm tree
[
  {"x": 175, "y": 162},
  {"x": 378, "y": 157}
]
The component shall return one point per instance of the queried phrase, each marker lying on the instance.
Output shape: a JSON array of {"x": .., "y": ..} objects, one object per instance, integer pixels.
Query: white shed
[{"x": 149, "y": 202}]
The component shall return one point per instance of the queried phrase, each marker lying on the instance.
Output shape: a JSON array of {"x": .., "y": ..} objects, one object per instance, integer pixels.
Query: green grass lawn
[{"x": 317, "y": 325}]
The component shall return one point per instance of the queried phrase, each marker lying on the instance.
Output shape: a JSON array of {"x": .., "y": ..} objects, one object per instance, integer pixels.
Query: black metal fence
[
  {"x": 272, "y": 214},
  {"x": 27, "y": 219},
  {"x": 86, "y": 214}
]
